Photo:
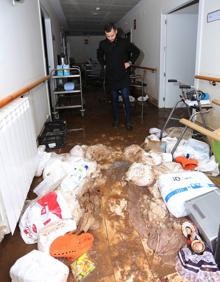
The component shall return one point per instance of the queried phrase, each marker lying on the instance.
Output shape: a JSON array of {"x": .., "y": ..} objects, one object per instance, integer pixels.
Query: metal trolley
[{"x": 66, "y": 89}]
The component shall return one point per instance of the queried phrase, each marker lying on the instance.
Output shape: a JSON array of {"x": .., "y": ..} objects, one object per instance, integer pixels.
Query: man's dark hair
[{"x": 109, "y": 26}]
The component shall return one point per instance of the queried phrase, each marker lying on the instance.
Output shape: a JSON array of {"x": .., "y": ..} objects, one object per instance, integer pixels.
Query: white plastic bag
[
  {"x": 54, "y": 167},
  {"x": 38, "y": 267},
  {"x": 140, "y": 174},
  {"x": 177, "y": 188},
  {"x": 43, "y": 158},
  {"x": 49, "y": 184},
  {"x": 77, "y": 172},
  {"x": 77, "y": 151},
  {"x": 193, "y": 148},
  {"x": 209, "y": 166},
  {"x": 51, "y": 231},
  {"x": 49, "y": 208}
]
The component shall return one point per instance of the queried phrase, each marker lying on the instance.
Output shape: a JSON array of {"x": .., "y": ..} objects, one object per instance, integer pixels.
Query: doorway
[
  {"x": 178, "y": 52},
  {"x": 48, "y": 50},
  {"x": 47, "y": 40}
]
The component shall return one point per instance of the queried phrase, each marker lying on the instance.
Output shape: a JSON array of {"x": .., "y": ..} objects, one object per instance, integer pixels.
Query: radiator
[{"x": 18, "y": 159}]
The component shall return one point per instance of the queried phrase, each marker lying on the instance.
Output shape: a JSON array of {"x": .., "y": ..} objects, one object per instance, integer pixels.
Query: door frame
[
  {"x": 49, "y": 38},
  {"x": 48, "y": 51},
  {"x": 163, "y": 46},
  {"x": 163, "y": 50}
]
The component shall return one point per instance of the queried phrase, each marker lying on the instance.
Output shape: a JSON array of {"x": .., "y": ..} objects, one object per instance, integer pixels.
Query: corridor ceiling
[{"x": 88, "y": 17}]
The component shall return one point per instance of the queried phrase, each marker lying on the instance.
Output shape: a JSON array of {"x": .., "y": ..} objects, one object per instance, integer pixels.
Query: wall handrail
[
  {"x": 212, "y": 79},
  {"x": 216, "y": 102},
  {"x": 144, "y": 68},
  {"x": 5, "y": 101}
]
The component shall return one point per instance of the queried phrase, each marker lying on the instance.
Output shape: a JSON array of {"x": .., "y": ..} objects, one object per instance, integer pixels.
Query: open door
[{"x": 178, "y": 54}]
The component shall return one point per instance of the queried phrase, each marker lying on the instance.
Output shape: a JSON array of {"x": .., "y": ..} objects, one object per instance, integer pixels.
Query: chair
[
  {"x": 92, "y": 73},
  {"x": 137, "y": 82}
]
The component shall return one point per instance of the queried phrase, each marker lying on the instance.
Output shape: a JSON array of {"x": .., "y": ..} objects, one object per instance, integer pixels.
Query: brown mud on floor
[{"x": 119, "y": 252}]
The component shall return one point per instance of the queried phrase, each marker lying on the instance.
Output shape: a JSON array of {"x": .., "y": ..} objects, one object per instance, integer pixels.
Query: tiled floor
[{"x": 119, "y": 252}]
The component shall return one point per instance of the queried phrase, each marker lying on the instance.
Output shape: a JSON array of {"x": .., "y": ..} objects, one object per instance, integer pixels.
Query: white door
[
  {"x": 49, "y": 44},
  {"x": 180, "y": 54}
]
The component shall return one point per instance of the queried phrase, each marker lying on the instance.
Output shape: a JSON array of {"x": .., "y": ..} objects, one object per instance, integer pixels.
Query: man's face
[{"x": 111, "y": 35}]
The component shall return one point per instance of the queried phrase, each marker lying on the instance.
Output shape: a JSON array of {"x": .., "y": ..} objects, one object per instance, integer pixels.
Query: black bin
[{"x": 53, "y": 134}]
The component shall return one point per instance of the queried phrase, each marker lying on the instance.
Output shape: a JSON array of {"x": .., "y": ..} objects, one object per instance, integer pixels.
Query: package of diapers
[{"x": 177, "y": 188}]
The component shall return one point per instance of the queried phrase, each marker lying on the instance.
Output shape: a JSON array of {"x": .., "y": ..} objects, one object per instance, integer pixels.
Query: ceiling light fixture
[{"x": 97, "y": 8}]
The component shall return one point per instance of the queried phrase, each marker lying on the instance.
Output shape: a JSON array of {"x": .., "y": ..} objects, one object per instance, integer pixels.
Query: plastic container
[
  {"x": 66, "y": 70},
  {"x": 56, "y": 126},
  {"x": 69, "y": 86},
  {"x": 59, "y": 70},
  {"x": 53, "y": 135}
]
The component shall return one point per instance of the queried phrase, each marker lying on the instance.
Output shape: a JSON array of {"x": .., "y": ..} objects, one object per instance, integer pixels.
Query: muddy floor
[{"x": 122, "y": 251}]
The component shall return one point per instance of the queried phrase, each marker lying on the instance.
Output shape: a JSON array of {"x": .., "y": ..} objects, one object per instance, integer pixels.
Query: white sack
[
  {"x": 140, "y": 174},
  {"x": 51, "y": 231},
  {"x": 177, "y": 188},
  {"x": 77, "y": 173},
  {"x": 77, "y": 151},
  {"x": 192, "y": 148},
  {"x": 43, "y": 158},
  {"x": 55, "y": 167},
  {"x": 49, "y": 208},
  {"x": 38, "y": 267},
  {"x": 209, "y": 166},
  {"x": 49, "y": 184}
]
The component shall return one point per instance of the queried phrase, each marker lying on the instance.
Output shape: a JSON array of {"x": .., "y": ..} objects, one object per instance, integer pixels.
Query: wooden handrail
[
  {"x": 204, "y": 131},
  {"x": 5, "y": 101},
  {"x": 145, "y": 68},
  {"x": 209, "y": 78},
  {"x": 216, "y": 102}
]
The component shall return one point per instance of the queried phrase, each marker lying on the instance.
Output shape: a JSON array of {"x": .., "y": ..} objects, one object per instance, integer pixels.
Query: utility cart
[{"x": 66, "y": 89}]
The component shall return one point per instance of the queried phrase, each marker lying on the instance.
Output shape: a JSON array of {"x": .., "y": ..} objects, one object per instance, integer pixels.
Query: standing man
[{"x": 117, "y": 55}]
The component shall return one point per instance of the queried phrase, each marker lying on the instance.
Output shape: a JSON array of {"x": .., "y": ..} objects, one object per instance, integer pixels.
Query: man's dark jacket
[{"x": 114, "y": 55}]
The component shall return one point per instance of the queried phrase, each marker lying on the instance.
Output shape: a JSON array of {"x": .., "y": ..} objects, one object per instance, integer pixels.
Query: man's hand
[{"x": 127, "y": 65}]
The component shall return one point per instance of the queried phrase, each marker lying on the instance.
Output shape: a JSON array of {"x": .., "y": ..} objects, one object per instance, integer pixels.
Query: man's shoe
[{"x": 129, "y": 126}]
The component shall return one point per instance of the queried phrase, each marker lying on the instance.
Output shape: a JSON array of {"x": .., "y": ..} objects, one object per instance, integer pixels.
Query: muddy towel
[{"x": 199, "y": 268}]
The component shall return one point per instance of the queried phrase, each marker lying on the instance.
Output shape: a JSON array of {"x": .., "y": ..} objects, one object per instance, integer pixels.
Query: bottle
[{"x": 66, "y": 70}]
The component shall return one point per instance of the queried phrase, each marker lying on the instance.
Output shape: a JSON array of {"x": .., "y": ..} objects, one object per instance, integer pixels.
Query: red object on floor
[
  {"x": 71, "y": 246},
  {"x": 187, "y": 164}
]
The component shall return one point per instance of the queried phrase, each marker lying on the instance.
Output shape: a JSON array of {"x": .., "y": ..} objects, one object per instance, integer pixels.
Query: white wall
[
  {"x": 56, "y": 27},
  {"x": 208, "y": 55},
  {"x": 22, "y": 56},
  {"x": 147, "y": 34},
  {"x": 80, "y": 51}
]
